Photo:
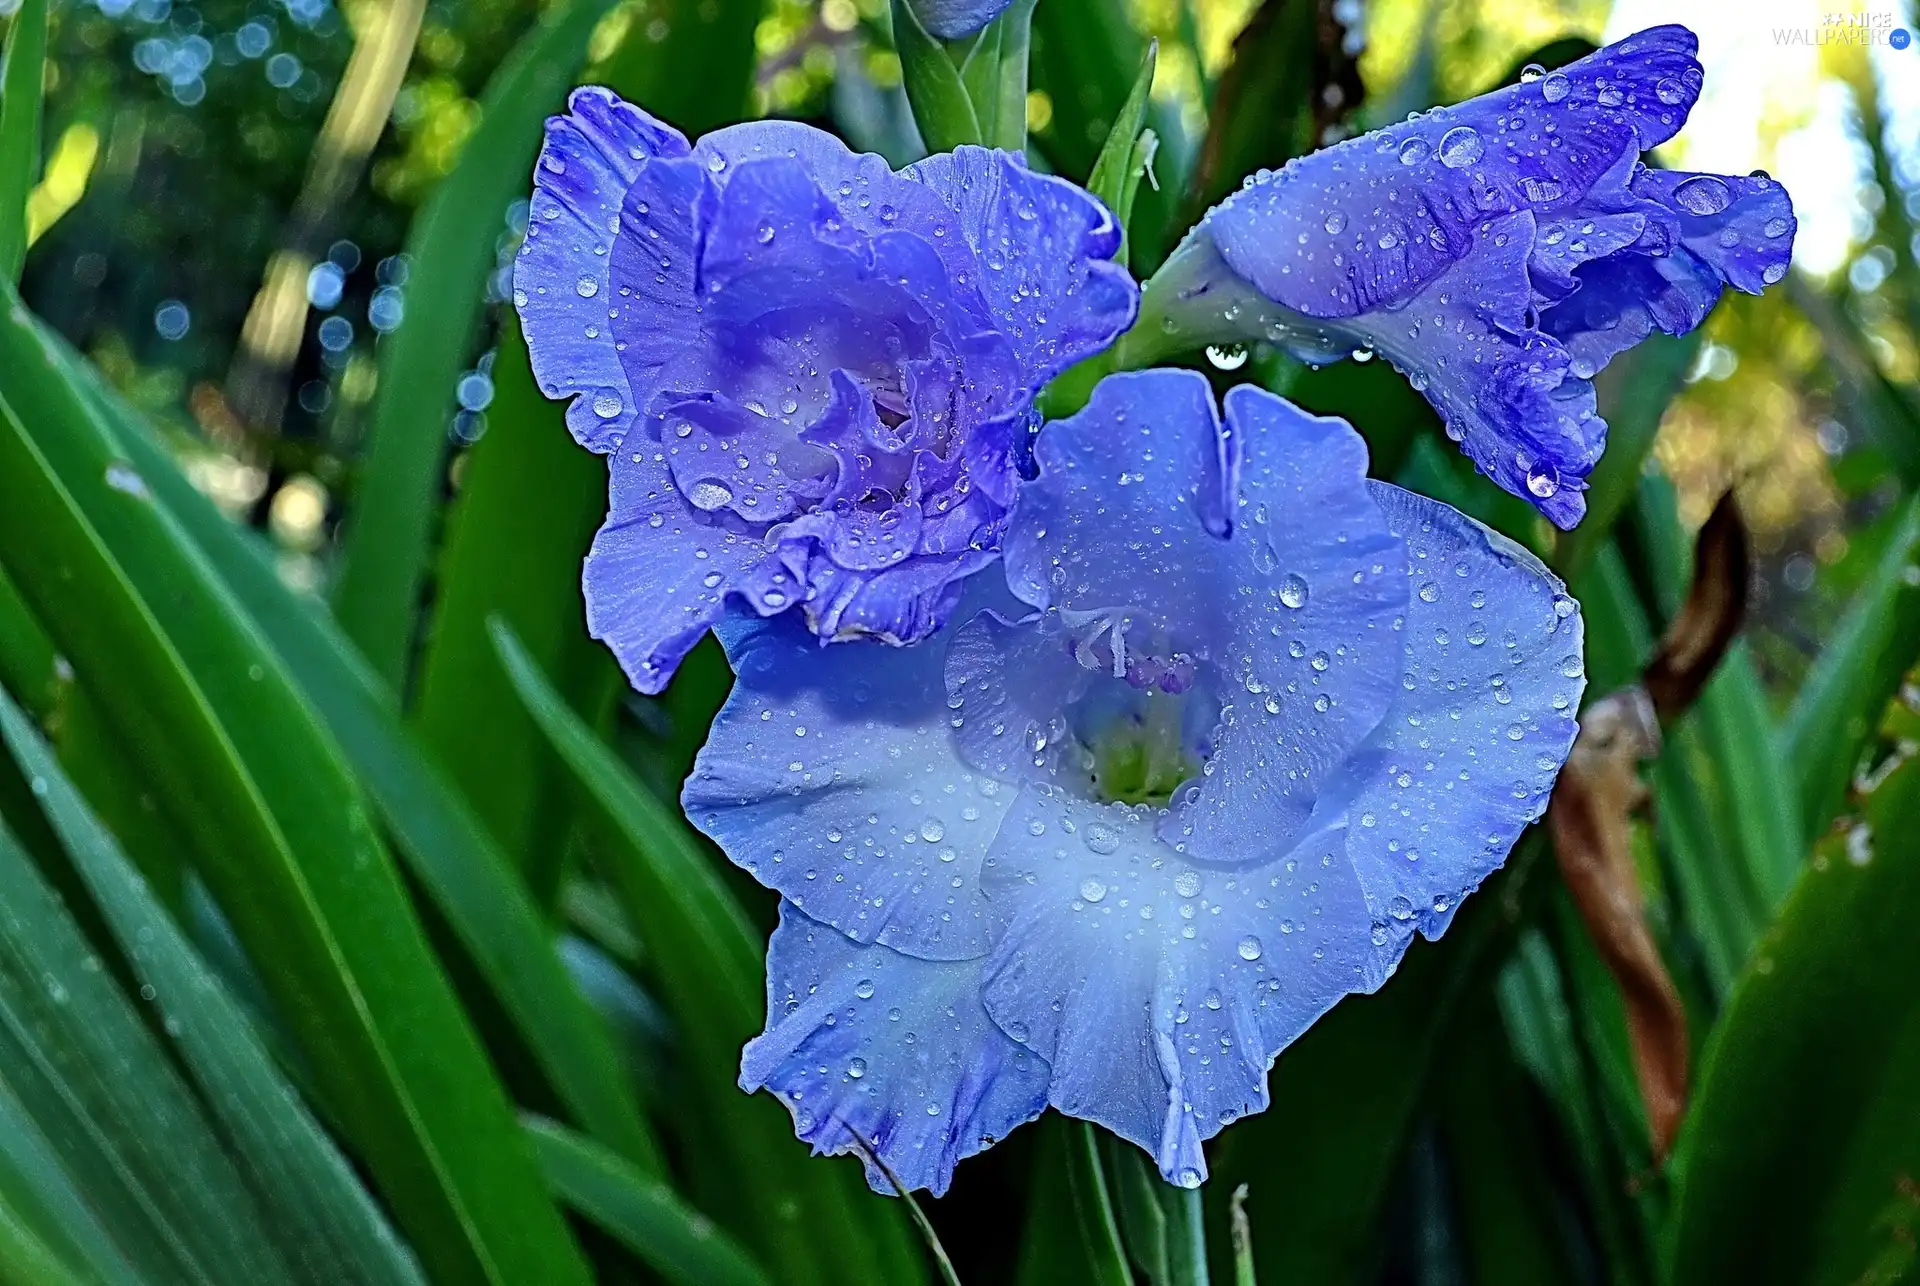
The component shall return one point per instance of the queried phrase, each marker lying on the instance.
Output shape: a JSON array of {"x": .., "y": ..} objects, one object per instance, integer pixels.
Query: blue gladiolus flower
[
  {"x": 1234, "y": 724},
  {"x": 1499, "y": 252},
  {"x": 813, "y": 376}
]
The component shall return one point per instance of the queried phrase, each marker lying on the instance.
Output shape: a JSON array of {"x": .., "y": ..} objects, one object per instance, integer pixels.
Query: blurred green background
[{"x": 348, "y": 928}]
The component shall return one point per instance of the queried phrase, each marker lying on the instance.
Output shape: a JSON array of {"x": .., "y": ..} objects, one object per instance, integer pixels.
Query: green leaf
[
  {"x": 1497, "y": 1147},
  {"x": 699, "y": 74},
  {"x": 446, "y": 847},
  {"x": 281, "y": 833},
  {"x": 1117, "y": 169},
  {"x": 25, "y": 1258},
  {"x": 810, "y": 1218},
  {"x": 1344, "y": 1096},
  {"x": 1853, "y": 677},
  {"x": 319, "y": 1214},
  {"x": 529, "y": 501},
  {"x": 639, "y": 1212},
  {"x": 1797, "y": 1160},
  {"x": 1093, "y": 1206},
  {"x": 27, "y": 656},
  {"x": 530, "y": 498},
  {"x": 1009, "y": 130},
  {"x": 384, "y": 548},
  {"x": 21, "y": 78},
  {"x": 941, "y": 105},
  {"x": 1086, "y": 59},
  {"x": 99, "y": 1088}
]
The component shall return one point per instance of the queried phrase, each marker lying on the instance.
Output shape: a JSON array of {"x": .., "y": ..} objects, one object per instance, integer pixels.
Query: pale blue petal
[
  {"x": 861, "y": 1039},
  {"x": 831, "y": 776}
]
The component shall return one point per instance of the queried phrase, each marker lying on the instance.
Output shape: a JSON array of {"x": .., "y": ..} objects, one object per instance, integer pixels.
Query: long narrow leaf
[
  {"x": 807, "y": 1217},
  {"x": 642, "y": 1214},
  {"x": 322, "y": 1217},
  {"x": 20, "y": 108},
  {"x": 448, "y": 850},
  {"x": 385, "y": 547},
  {"x": 282, "y": 834},
  {"x": 95, "y": 1080}
]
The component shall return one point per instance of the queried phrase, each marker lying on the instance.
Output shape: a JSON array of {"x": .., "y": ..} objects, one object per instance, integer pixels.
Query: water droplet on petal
[
  {"x": 1555, "y": 87},
  {"x": 1101, "y": 839},
  {"x": 709, "y": 495},
  {"x": 1293, "y": 590},
  {"x": 1249, "y": 948},
  {"x": 856, "y": 1068},
  {"x": 1461, "y": 147},
  {"x": 1703, "y": 194},
  {"x": 864, "y": 989},
  {"x": 1543, "y": 480},
  {"x": 587, "y": 287},
  {"x": 607, "y": 404},
  {"x": 1336, "y": 221},
  {"x": 1092, "y": 889}
]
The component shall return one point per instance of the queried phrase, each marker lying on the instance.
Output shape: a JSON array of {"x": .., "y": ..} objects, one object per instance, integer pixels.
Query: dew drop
[
  {"x": 1703, "y": 194},
  {"x": 1187, "y": 883},
  {"x": 607, "y": 404},
  {"x": 1336, "y": 222},
  {"x": 1461, "y": 147},
  {"x": 1092, "y": 889},
  {"x": 1249, "y": 948},
  {"x": 856, "y": 1068},
  {"x": 708, "y": 495},
  {"x": 1293, "y": 590},
  {"x": 864, "y": 989},
  {"x": 1101, "y": 839},
  {"x": 1414, "y": 151},
  {"x": 587, "y": 287},
  {"x": 933, "y": 830},
  {"x": 1543, "y": 480},
  {"x": 1227, "y": 357},
  {"x": 1555, "y": 87}
]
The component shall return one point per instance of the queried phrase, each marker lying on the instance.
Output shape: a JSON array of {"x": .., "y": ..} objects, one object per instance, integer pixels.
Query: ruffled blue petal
[
  {"x": 1499, "y": 252},
  {"x": 952, "y": 19},
  {"x": 1046, "y": 248},
  {"x": 1367, "y": 223},
  {"x": 563, "y": 283},
  {"x": 1466, "y": 758},
  {"x": 1159, "y": 990},
  {"x": 1271, "y": 584},
  {"x": 863, "y": 1040},
  {"x": 831, "y": 777},
  {"x": 658, "y": 574}
]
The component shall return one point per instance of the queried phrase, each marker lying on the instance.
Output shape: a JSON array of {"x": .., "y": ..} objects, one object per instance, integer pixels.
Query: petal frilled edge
[
  {"x": 1045, "y": 250},
  {"x": 861, "y": 1039},
  {"x": 1159, "y": 991},
  {"x": 1485, "y": 717},
  {"x": 563, "y": 277}
]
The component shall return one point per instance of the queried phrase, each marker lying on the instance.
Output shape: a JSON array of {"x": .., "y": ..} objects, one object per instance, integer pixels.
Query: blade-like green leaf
[
  {"x": 1344, "y": 1097},
  {"x": 21, "y": 78},
  {"x": 25, "y": 1258},
  {"x": 529, "y": 502},
  {"x": 1086, "y": 58},
  {"x": 41, "y": 1193},
  {"x": 99, "y": 1087},
  {"x": 321, "y": 1218},
  {"x": 281, "y": 832},
  {"x": 1797, "y": 1161},
  {"x": 1072, "y": 1236},
  {"x": 1009, "y": 132},
  {"x": 385, "y": 545},
  {"x": 27, "y": 656},
  {"x": 813, "y": 1219},
  {"x": 941, "y": 105},
  {"x": 1116, "y": 176},
  {"x": 448, "y": 850},
  {"x": 1853, "y": 677},
  {"x": 698, "y": 75},
  {"x": 641, "y": 1213}
]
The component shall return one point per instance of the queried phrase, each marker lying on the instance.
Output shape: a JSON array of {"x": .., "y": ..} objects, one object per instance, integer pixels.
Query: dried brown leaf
[
  {"x": 1591, "y": 820},
  {"x": 1708, "y": 620}
]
